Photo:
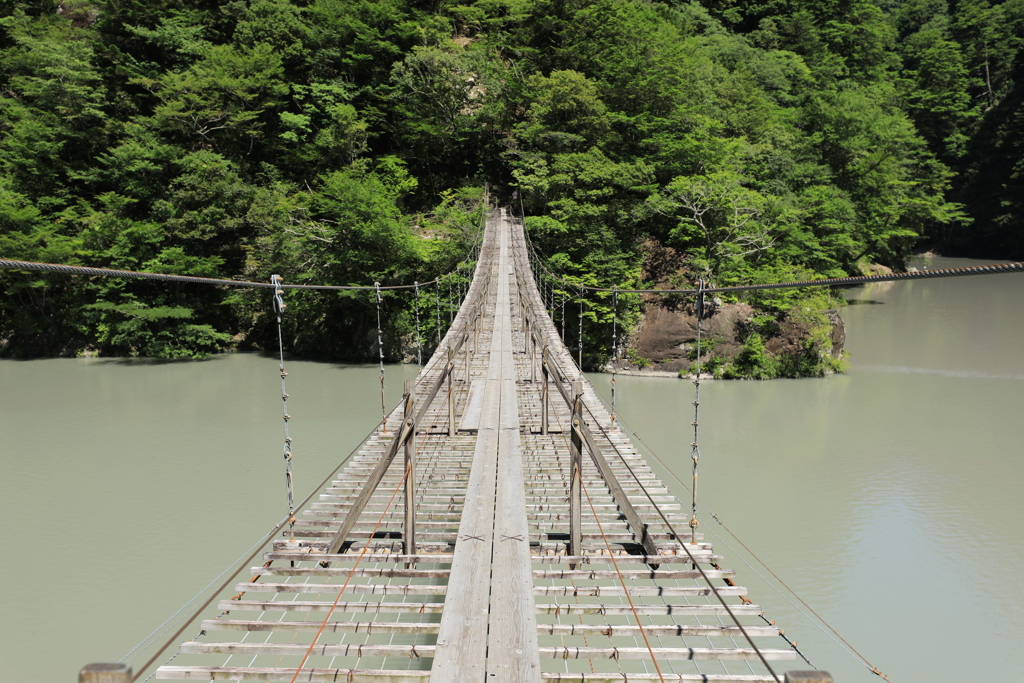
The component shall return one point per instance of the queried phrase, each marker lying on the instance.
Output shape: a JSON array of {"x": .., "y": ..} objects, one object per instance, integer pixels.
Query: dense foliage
[{"x": 347, "y": 141}]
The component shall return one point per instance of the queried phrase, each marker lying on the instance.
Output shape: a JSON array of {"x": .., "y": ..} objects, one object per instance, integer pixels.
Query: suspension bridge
[{"x": 497, "y": 526}]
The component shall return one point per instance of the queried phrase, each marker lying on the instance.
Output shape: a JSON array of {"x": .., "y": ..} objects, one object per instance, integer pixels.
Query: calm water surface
[{"x": 889, "y": 498}]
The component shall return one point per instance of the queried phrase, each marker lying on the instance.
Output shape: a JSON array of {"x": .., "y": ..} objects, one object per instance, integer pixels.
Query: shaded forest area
[{"x": 349, "y": 141}]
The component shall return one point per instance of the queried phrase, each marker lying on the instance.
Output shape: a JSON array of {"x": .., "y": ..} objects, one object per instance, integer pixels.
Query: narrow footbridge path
[{"x": 497, "y": 527}]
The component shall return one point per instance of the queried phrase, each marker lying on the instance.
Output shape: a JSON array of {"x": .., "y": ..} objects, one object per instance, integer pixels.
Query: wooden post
[
  {"x": 451, "y": 394},
  {"x": 526, "y": 323},
  {"x": 533, "y": 359},
  {"x": 409, "y": 533},
  {"x": 465, "y": 357},
  {"x": 544, "y": 392},
  {"x": 105, "y": 673},
  {"x": 808, "y": 677},
  {"x": 576, "y": 486}
]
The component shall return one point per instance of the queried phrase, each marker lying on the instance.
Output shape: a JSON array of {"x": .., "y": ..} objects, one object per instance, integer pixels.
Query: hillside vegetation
[{"x": 348, "y": 141}]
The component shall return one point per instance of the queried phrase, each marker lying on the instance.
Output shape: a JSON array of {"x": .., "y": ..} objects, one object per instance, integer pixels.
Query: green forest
[{"x": 350, "y": 141}]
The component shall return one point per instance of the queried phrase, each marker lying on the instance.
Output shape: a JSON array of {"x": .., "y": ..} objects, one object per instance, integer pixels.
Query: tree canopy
[{"x": 348, "y": 141}]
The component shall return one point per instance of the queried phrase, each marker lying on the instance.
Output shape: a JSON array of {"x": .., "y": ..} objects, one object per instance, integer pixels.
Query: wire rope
[
  {"x": 279, "y": 306},
  {"x": 419, "y": 337},
  {"x": 380, "y": 353}
]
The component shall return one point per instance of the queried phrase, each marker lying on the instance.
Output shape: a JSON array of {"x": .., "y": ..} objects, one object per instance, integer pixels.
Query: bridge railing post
[
  {"x": 409, "y": 533},
  {"x": 451, "y": 393},
  {"x": 544, "y": 391},
  {"x": 576, "y": 485}
]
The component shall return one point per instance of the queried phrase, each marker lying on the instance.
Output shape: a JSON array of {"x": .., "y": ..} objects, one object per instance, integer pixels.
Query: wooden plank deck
[{"x": 489, "y": 594}]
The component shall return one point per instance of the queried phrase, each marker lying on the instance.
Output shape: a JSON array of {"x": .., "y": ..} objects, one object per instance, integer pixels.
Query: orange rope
[
  {"x": 611, "y": 555},
  {"x": 362, "y": 552},
  {"x": 622, "y": 580}
]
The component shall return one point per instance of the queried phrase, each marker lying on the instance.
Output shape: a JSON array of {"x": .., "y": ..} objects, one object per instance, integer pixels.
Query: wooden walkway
[{"x": 459, "y": 546}]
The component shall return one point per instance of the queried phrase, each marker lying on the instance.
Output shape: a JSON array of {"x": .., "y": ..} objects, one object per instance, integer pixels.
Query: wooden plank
[
  {"x": 474, "y": 405},
  {"x": 512, "y": 648},
  {"x": 367, "y": 627},
  {"x": 249, "y": 673},
  {"x": 194, "y": 647},
  {"x": 352, "y": 571},
  {"x": 635, "y": 523},
  {"x": 647, "y": 610},
  {"x": 371, "y": 486},
  {"x": 631, "y": 574},
  {"x": 333, "y": 588},
  {"x": 641, "y": 591},
  {"x": 633, "y": 631},
  {"x": 665, "y": 653},
  {"x": 462, "y": 638},
  {"x": 342, "y": 608},
  {"x": 647, "y": 678}
]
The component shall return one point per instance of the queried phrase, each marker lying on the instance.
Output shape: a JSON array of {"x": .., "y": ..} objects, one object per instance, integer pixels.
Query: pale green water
[{"x": 889, "y": 498}]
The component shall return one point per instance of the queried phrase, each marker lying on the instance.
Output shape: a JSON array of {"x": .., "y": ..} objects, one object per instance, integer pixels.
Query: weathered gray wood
[
  {"x": 409, "y": 531},
  {"x": 193, "y": 647},
  {"x": 666, "y": 591},
  {"x": 342, "y": 607},
  {"x": 631, "y": 631},
  {"x": 646, "y": 610},
  {"x": 663, "y": 653},
  {"x": 380, "y": 572},
  {"x": 451, "y": 395},
  {"x": 248, "y": 673},
  {"x": 648, "y": 677},
  {"x": 368, "y": 627},
  {"x": 462, "y": 638},
  {"x": 333, "y": 588},
  {"x": 808, "y": 677},
  {"x": 371, "y": 486},
  {"x": 635, "y": 523},
  {"x": 512, "y": 641},
  {"x": 105, "y": 673},
  {"x": 632, "y": 574},
  {"x": 470, "y": 421},
  {"x": 576, "y": 475},
  {"x": 544, "y": 400}
]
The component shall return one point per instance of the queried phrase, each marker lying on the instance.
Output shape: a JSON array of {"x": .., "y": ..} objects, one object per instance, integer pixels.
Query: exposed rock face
[{"x": 668, "y": 334}]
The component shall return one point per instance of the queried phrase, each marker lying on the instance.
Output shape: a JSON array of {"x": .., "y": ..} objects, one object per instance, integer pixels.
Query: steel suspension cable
[
  {"x": 380, "y": 353},
  {"x": 622, "y": 580},
  {"x": 849, "y": 648},
  {"x": 437, "y": 299},
  {"x": 267, "y": 537},
  {"x": 579, "y": 341},
  {"x": 279, "y": 306},
  {"x": 563, "y": 309},
  {"x": 615, "y": 345},
  {"x": 366, "y": 546},
  {"x": 695, "y": 452},
  {"x": 419, "y": 337}
]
